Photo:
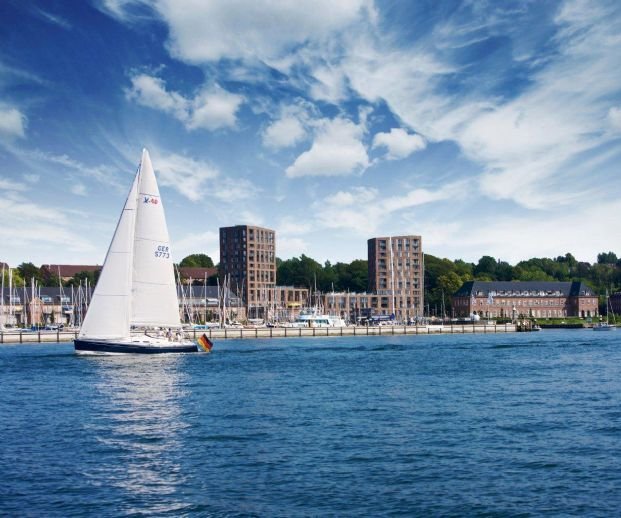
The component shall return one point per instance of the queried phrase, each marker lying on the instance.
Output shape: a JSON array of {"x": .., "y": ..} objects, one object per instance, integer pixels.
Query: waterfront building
[
  {"x": 396, "y": 276},
  {"x": 515, "y": 299},
  {"x": 196, "y": 274},
  {"x": 248, "y": 265},
  {"x": 67, "y": 271},
  {"x": 352, "y": 307}
]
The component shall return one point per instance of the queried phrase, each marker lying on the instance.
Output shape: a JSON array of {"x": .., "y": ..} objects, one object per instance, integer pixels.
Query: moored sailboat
[
  {"x": 134, "y": 308},
  {"x": 606, "y": 326}
]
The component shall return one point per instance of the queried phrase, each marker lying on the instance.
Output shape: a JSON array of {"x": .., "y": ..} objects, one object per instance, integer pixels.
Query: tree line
[{"x": 443, "y": 277}]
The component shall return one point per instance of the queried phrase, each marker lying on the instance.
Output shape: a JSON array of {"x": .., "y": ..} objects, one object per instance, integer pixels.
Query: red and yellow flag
[{"x": 205, "y": 343}]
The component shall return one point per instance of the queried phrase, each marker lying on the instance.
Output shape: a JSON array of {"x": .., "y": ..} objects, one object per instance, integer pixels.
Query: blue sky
[{"x": 490, "y": 128}]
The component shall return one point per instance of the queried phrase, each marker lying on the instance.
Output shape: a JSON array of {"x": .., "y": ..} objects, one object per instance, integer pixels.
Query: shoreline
[{"x": 24, "y": 337}]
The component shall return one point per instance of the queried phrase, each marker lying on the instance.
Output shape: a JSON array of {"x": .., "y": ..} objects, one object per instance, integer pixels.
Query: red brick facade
[{"x": 525, "y": 299}]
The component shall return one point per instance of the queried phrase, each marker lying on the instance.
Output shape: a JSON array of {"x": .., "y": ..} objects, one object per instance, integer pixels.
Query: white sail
[
  {"x": 154, "y": 293},
  {"x": 108, "y": 312}
]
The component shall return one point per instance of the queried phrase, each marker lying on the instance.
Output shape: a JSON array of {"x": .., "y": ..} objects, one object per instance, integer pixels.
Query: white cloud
[
  {"x": 614, "y": 116},
  {"x": 9, "y": 185},
  {"x": 12, "y": 122},
  {"x": 363, "y": 211},
  {"x": 232, "y": 190},
  {"x": 32, "y": 178},
  {"x": 497, "y": 236},
  {"x": 244, "y": 29},
  {"x": 284, "y": 132},
  {"x": 527, "y": 143},
  {"x": 250, "y": 217},
  {"x": 337, "y": 150},
  {"x": 291, "y": 247},
  {"x": 104, "y": 174},
  {"x": 399, "y": 143},
  {"x": 330, "y": 84},
  {"x": 41, "y": 229},
  {"x": 197, "y": 243},
  {"x": 212, "y": 108},
  {"x": 356, "y": 196},
  {"x": 293, "y": 226},
  {"x": 53, "y": 18},
  {"x": 79, "y": 189},
  {"x": 187, "y": 176},
  {"x": 151, "y": 92},
  {"x": 197, "y": 179}
]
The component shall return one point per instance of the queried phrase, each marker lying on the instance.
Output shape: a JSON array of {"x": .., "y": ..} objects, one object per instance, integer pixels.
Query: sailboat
[
  {"x": 134, "y": 308},
  {"x": 606, "y": 326}
]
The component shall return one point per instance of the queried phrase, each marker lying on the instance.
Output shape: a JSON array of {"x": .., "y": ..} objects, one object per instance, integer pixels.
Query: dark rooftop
[{"x": 523, "y": 288}]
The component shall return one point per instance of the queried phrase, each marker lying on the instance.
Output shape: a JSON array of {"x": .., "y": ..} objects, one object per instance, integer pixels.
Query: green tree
[
  {"x": 301, "y": 272},
  {"x": 607, "y": 258},
  {"x": 28, "y": 271},
  {"x": 486, "y": 267},
  {"x": 92, "y": 278},
  {"x": 16, "y": 277},
  {"x": 197, "y": 261},
  {"x": 358, "y": 276}
]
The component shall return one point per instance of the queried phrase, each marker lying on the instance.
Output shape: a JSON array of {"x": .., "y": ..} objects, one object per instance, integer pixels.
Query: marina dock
[{"x": 12, "y": 337}]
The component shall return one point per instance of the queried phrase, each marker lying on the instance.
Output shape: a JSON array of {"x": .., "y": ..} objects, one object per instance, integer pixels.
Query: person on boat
[{"x": 169, "y": 334}]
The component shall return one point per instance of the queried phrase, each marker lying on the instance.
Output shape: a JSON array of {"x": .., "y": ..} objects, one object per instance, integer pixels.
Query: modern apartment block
[
  {"x": 396, "y": 275},
  {"x": 248, "y": 261}
]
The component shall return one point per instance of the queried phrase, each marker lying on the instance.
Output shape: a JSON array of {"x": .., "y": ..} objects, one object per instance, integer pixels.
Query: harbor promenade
[{"x": 12, "y": 337}]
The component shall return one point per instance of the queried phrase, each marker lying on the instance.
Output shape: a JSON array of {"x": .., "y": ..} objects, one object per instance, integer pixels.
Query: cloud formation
[
  {"x": 198, "y": 179},
  {"x": 399, "y": 143},
  {"x": 363, "y": 211},
  {"x": 336, "y": 150},
  {"x": 212, "y": 108},
  {"x": 209, "y": 31},
  {"x": 286, "y": 131},
  {"x": 12, "y": 122}
]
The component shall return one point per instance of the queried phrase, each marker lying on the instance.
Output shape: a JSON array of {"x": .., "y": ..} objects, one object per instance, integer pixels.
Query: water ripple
[{"x": 523, "y": 424}]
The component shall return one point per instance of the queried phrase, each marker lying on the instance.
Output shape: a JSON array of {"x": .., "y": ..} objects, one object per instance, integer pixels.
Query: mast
[
  {"x": 11, "y": 296},
  {"x": 392, "y": 276},
  {"x": 2, "y": 301},
  {"x": 32, "y": 292}
]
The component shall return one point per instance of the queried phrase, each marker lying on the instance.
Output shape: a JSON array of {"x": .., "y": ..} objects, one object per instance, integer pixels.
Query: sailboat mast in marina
[{"x": 134, "y": 308}]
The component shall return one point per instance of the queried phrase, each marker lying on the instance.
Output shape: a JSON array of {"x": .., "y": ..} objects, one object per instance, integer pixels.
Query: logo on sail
[{"x": 150, "y": 199}]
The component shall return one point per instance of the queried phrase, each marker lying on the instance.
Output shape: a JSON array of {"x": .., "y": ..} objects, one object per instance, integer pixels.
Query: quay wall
[{"x": 11, "y": 337}]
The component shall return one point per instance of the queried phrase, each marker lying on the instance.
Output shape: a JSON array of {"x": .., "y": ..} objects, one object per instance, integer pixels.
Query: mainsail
[{"x": 154, "y": 292}]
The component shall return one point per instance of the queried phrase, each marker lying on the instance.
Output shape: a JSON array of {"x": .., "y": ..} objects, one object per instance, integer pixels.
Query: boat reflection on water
[{"x": 138, "y": 422}]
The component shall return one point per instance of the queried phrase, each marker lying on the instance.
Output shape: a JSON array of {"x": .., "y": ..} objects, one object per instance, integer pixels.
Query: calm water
[{"x": 434, "y": 425}]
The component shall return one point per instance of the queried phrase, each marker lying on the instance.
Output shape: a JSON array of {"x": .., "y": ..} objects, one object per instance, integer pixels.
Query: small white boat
[
  {"x": 134, "y": 308},
  {"x": 603, "y": 326},
  {"x": 311, "y": 317},
  {"x": 606, "y": 326}
]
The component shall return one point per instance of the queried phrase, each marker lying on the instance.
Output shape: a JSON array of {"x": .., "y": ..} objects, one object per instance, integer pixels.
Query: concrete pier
[{"x": 11, "y": 337}]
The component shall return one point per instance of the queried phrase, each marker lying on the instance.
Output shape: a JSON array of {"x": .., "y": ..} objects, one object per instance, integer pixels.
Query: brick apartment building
[
  {"x": 512, "y": 299},
  {"x": 248, "y": 261},
  {"x": 396, "y": 277}
]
